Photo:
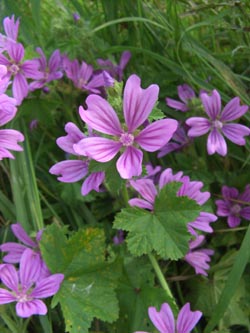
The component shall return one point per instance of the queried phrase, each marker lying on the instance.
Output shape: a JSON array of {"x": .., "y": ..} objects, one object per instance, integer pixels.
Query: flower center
[
  {"x": 22, "y": 297},
  {"x": 127, "y": 139},
  {"x": 235, "y": 209},
  {"x": 218, "y": 124},
  {"x": 14, "y": 69}
]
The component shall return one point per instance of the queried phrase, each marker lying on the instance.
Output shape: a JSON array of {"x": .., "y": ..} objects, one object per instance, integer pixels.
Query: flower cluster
[
  {"x": 196, "y": 257},
  {"x": 32, "y": 281}
]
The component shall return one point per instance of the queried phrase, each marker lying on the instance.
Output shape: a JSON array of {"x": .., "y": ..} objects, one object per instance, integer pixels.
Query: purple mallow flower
[
  {"x": 148, "y": 191},
  {"x": 198, "y": 258},
  {"x": 164, "y": 320},
  {"x": 26, "y": 287},
  {"x": 20, "y": 70},
  {"x": 125, "y": 138},
  {"x": 219, "y": 123},
  {"x": 11, "y": 32},
  {"x": 234, "y": 205},
  {"x": 71, "y": 171},
  {"x": 83, "y": 76},
  {"x": 50, "y": 71},
  {"x": 116, "y": 71},
  {"x": 185, "y": 93},
  {"x": 16, "y": 250}
]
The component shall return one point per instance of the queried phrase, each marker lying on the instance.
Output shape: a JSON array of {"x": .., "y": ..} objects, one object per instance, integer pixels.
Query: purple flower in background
[
  {"x": 76, "y": 17},
  {"x": 137, "y": 105},
  {"x": 164, "y": 320},
  {"x": 26, "y": 287},
  {"x": 16, "y": 250},
  {"x": 11, "y": 32},
  {"x": 116, "y": 71},
  {"x": 234, "y": 205},
  {"x": 119, "y": 237},
  {"x": 83, "y": 76},
  {"x": 178, "y": 141},
  {"x": 219, "y": 123},
  {"x": 185, "y": 93},
  {"x": 71, "y": 171},
  {"x": 148, "y": 191},
  {"x": 20, "y": 70},
  {"x": 50, "y": 71},
  {"x": 198, "y": 258}
]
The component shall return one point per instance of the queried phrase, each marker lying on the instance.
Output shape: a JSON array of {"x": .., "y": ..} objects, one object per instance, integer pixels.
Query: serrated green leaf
[
  {"x": 165, "y": 229},
  {"x": 89, "y": 278},
  {"x": 156, "y": 114}
]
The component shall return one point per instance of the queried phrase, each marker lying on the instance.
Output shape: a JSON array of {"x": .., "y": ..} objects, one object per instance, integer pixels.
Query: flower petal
[
  {"x": 93, "y": 182},
  {"x": 141, "y": 203},
  {"x": 129, "y": 163},
  {"x": 70, "y": 171},
  {"x": 157, "y": 134},
  {"x": 236, "y": 133},
  {"x": 212, "y": 104},
  {"x": 146, "y": 188},
  {"x": 30, "y": 308},
  {"x": 233, "y": 110},
  {"x": 172, "y": 103},
  {"x": 48, "y": 286},
  {"x": 74, "y": 135},
  {"x": 187, "y": 319},
  {"x": 199, "y": 126},
  {"x": 233, "y": 221},
  {"x": 9, "y": 277},
  {"x": 20, "y": 88},
  {"x": 30, "y": 266},
  {"x": 6, "y": 296},
  {"x": 137, "y": 102},
  {"x": 15, "y": 252},
  {"x": 216, "y": 143},
  {"x": 162, "y": 320},
  {"x": 100, "y": 116},
  {"x": 100, "y": 149},
  {"x": 22, "y": 235}
]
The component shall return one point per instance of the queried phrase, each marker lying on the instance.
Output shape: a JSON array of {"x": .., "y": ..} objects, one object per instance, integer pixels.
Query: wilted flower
[
  {"x": 234, "y": 205},
  {"x": 219, "y": 123},
  {"x": 26, "y": 287},
  {"x": 164, "y": 320},
  {"x": 137, "y": 105}
]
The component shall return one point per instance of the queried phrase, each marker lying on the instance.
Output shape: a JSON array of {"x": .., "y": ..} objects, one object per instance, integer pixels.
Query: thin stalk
[
  {"x": 162, "y": 279},
  {"x": 10, "y": 323}
]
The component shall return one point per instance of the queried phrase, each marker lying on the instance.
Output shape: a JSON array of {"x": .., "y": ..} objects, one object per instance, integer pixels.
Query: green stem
[
  {"x": 162, "y": 279},
  {"x": 10, "y": 323},
  {"x": 125, "y": 195}
]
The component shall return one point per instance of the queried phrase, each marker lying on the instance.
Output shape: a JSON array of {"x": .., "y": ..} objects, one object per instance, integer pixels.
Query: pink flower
[
  {"x": 219, "y": 123},
  {"x": 116, "y": 71},
  {"x": 20, "y": 70},
  {"x": 26, "y": 287},
  {"x": 11, "y": 32},
  {"x": 50, "y": 71},
  {"x": 185, "y": 93},
  {"x": 126, "y": 138},
  {"x": 198, "y": 258},
  {"x": 148, "y": 191},
  {"x": 71, "y": 171},
  {"x": 234, "y": 205},
  {"x": 164, "y": 320}
]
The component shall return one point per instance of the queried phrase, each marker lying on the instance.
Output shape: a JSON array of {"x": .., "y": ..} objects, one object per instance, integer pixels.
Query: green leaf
[
  {"x": 136, "y": 292},
  {"x": 156, "y": 114},
  {"x": 165, "y": 229},
  {"x": 89, "y": 278}
]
